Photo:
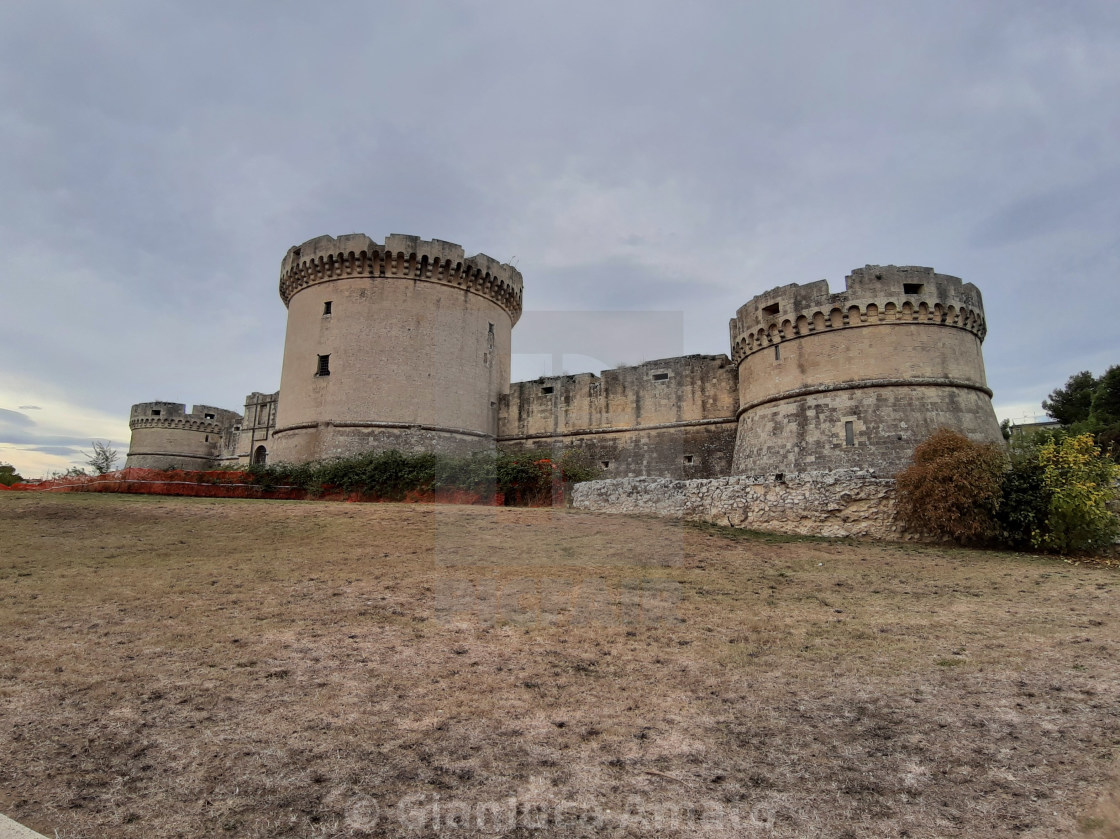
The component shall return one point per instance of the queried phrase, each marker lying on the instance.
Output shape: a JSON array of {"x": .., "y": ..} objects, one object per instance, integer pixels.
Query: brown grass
[{"x": 191, "y": 667}]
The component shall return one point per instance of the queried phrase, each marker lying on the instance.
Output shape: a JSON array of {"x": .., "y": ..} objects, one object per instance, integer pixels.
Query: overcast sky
[{"x": 158, "y": 159}]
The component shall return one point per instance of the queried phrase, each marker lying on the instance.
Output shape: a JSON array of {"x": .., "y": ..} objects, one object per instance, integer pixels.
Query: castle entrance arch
[{"x": 260, "y": 455}]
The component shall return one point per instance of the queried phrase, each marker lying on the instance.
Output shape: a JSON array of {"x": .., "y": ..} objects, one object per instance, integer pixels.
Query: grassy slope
[{"x": 189, "y": 667}]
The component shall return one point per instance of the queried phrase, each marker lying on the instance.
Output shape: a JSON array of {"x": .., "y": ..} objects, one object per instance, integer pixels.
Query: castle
[{"x": 406, "y": 345}]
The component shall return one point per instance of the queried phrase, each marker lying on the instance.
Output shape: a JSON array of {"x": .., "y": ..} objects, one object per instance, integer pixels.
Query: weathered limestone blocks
[{"x": 842, "y": 503}]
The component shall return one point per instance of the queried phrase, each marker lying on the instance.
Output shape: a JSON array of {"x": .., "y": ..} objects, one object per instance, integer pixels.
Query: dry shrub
[{"x": 952, "y": 490}]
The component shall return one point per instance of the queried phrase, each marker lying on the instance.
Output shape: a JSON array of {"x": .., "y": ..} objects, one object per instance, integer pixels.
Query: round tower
[
  {"x": 858, "y": 378},
  {"x": 401, "y": 345},
  {"x": 166, "y": 436}
]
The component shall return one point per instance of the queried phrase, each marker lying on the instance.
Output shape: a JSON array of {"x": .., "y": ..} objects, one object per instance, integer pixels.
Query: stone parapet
[
  {"x": 327, "y": 258},
  {"x": 873, "y": 295}
]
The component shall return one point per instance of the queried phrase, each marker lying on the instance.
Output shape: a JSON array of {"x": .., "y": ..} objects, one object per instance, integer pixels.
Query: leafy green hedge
[{"x": 523, "y": 479}]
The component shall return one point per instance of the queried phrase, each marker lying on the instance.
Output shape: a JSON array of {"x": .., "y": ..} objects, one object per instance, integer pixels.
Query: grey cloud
[{"x": 14, "y": 419}]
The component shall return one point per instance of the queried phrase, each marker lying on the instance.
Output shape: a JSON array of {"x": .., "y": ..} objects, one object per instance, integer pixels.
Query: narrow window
[
  {"x": 208, "y": 416},
  {"x": 486, "y": 358},
  {"x": 606, "y": 463},
  {"x": 327, "y": 308},
  {"x": 547, "y": 389},
  {"x": 849, "y": 433},
  {"x": 156, "y": 412},
  {"x": 660, "y": 377},
  {"x": 688, "y": 458},
  {"x": 780, "y": 477},
  {"x": 772, "y": 309},
  {"x": 207, "y": 438},
  {"x": 912, "y": 288},
  {"x": 324, "y": 365},
  {"x": 491, "y": 329},
  {"x": 777, "y": 352}
]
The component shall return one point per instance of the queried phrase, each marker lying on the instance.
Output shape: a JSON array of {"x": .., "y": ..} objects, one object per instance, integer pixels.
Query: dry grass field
[{"x": 200, "y": 668}]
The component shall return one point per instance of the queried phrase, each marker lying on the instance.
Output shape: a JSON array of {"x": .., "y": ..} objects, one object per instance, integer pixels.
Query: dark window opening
[
  {"x": 606, "y": 463},
  {"x": 849, "y": 433},
  {"x": 777, "y": 352},
  {"x": 491, "y": 329},
  {"x": 772, "y": 309},
  {"x": 780, "y": 477},
  {"x": 912, "y": 288},
  {"x": 156, "y": 412},
  {"x": 547, "y": 389},
  {"x": 688, "y": 458},
  {"x": 327, "y": 307},
  {"x": 324, "y": 368},
  {"x": 237, "y": 428},
  {"x": 208, "y": 416},
  {"x": 660, "y": 377},
  {"x": 486, "y": 358},
  {"x": 207, "y": 438},
  {"x": 260, "y": 456}
]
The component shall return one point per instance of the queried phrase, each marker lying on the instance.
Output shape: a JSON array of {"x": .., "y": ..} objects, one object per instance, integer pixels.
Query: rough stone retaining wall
[{"x": 846, "y": 503}]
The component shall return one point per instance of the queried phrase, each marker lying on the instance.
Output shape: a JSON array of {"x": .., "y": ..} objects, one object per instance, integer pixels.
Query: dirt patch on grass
[{"x": 192, "y": 667}]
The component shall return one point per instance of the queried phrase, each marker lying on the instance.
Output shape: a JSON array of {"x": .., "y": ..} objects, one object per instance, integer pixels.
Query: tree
[
  {"x": 1073, "y": 402},
  {"x": 8, "y": 475},
  {"x": 1105, "y": 407},
  {"x": 102, "y": 458},
  {"x": 953, "y": 488}
]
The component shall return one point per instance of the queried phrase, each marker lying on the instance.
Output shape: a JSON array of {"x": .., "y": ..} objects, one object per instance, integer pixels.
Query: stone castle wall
[
  {"x": 837, "y": 504},
  {"x": 673, "y": 417},
  {"x": 167, "y": 436},
  {"x": 254, "y": 438}
]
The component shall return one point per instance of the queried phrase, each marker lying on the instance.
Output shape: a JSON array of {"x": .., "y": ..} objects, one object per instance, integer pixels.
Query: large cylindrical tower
[
  {"x": 858, "y": 378},
  {"x": 402, "y": 345}
]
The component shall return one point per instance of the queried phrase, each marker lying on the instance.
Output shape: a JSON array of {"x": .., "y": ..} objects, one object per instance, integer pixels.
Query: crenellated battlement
[
  {"x": 873, "y": 295},
  {"x": 203, "y": 418},
  {"x": 326, "y": 258}
]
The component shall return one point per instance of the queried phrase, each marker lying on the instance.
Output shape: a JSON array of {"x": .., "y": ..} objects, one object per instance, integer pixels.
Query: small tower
[
  {"x": 858, "y": 378},
  {"x": 166, "y": 436},
  {"x": 401, "y": 345}
]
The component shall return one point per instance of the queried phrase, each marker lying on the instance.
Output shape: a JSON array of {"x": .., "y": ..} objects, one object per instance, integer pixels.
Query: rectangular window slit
[
  {"x": 324, "y": 368},
  {"x": 606, "y": 463},
  {"x": 660, "y": 377},
  {"x": 912, "y": 288},
  {"x": 156, "y": 412},
  {"x": 772, "y": 309},
  {"x": 777, "y": 352},
  {"x": 688, "y": 458},
  {"x": 327, "y": 307},
  {"x": 547, "y": 389},
  {"x": 208, "y": 416},
  {"x": 849, "y": 433}
]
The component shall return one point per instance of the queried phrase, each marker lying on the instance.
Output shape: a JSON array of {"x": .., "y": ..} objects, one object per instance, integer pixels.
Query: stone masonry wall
[
  {"x": 670, "y": 418},
  {"x": 843, "y": 503}
]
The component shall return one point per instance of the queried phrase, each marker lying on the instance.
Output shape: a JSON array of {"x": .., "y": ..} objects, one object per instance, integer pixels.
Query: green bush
[
  {"x": 8, "y": 475},
  {"x": 1024, "y": 504},
  {"x": 953, "y": 488},
  {"x": 1081, "y": 482},
  {"x": 522, "y": 478}
]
